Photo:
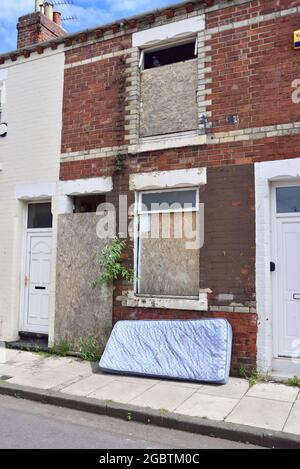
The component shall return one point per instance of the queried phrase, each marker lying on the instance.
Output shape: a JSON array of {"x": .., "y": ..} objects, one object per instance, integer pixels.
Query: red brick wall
[
  {"x": 94, "y": 97},
  {"x": 98, "y": 48},
  {"x": 35, "y": 28},
  {"x": 227, "y": 259},
  {"x": 253, "y": 70},
  {"x": 252, "y": 73},
  {"x": 93, "y": 106},
  {"x": 247, "y": 152}
]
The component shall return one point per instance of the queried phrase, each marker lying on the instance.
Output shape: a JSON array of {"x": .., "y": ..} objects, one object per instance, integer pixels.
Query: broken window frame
[
  {"x": 165, "y": 46},
  {"x": 170, "y": 210},
  {"x": 140, "y": 212}
]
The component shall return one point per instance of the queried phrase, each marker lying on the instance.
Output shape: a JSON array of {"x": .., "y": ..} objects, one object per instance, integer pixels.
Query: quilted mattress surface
[{"x": 185, "y": 350}]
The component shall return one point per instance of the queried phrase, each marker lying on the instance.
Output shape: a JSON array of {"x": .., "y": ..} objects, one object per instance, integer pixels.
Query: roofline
[{"x": 32, "y": 48}]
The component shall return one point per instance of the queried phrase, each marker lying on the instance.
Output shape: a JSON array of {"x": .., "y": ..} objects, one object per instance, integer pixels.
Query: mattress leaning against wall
[{"x": 185, "y": 350}]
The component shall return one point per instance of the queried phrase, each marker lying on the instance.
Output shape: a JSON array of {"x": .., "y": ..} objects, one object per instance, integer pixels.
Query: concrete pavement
[
  {"x": 270, "y": 406},
  {"x": 27, "y": 425}
]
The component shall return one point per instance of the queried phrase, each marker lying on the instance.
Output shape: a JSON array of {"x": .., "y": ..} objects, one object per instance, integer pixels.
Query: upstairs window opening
[{"x": 169, "y": 55}]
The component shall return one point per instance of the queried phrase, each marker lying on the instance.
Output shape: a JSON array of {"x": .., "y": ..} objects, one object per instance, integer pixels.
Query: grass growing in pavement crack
[
  {"x": 87, "y": 349},
  {"x": 90, "y": 350},
  {"x": 295, "y": 382},
  {"x": 254, "y": 377},
  {"x": 62, "y": 348}
]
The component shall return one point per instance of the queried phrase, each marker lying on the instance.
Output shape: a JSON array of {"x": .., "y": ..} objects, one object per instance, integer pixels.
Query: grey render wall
[
  {"x": 83, "y": 311},
  {"x": 174, "y": 87}
]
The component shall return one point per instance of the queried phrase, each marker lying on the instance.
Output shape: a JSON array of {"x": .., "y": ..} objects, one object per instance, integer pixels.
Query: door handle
[
  {"x": 296, "y": 296},
  {"x": 40, "y": 288}
]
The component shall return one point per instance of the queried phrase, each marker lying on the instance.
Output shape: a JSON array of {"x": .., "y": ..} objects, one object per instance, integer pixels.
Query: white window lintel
[
  {"x": 35, "y": 191},
  {"x": 180, "y": 178},
  {"x": 174, "y": 30},
  {"x": 87, "y": 186},
  {"x": 187, "y": 304}
]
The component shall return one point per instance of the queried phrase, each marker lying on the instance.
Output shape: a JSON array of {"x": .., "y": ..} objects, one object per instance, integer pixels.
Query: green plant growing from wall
[
  {"x": 110, "y": 264},
  {"x": 119, "y": 163}
]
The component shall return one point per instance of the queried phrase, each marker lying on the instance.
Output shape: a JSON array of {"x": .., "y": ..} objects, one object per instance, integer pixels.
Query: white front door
[
  {"x": 287, "y": 274},
  {"x": 37, "y": 282},
  {"x": 37, "y": 275}
]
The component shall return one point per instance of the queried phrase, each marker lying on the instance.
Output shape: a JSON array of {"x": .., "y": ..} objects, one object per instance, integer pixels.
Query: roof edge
[{"x": 118, "y": 24}]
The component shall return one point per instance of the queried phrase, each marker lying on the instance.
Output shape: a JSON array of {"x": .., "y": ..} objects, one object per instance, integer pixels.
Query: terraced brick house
[{"x": 196, "y": 102}]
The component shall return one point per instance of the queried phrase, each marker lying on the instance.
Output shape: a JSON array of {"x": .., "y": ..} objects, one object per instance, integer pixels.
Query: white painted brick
[{"x": 29, "y": 154}]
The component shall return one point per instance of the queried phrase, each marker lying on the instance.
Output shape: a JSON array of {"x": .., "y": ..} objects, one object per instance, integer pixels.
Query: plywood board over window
[
  {"x": 168, "y": 249},
  {"x": 169, "y": 99}
]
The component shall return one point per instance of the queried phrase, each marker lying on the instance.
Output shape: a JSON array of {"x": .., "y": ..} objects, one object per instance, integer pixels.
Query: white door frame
[
  {"x": 276, "y": 219},
  {"x": 24, "y": 261},
  {"x": 266, "y": 174}
]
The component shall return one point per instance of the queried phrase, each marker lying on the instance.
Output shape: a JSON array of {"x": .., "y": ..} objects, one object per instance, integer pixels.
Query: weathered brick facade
[
  {"x": 246, "y": 69},
  {"x": 251, "y": 67}
]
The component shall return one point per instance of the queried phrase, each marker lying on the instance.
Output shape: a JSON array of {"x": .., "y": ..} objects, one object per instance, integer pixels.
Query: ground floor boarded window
[{"x": 168, "y": 243}]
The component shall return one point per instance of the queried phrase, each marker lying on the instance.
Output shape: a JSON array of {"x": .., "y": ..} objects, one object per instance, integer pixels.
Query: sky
[{"x": 89, "y": 13}]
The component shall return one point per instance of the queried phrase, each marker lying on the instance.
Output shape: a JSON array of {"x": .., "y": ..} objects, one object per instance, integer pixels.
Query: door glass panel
[
  {"x": 288, "y": 199},
  {"x": 39, "y": 216}
]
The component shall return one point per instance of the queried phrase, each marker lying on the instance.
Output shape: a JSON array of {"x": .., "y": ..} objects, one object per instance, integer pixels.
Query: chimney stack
[
  {"x": 57, "y": 17},
  {"x": 38, "y": 5},
  {"x": 48, "y": 10},
  {"x": 40, "y": 26}
]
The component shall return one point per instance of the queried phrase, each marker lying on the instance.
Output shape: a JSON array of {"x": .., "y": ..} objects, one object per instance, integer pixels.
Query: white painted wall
[{"x": 29, "y": 157}]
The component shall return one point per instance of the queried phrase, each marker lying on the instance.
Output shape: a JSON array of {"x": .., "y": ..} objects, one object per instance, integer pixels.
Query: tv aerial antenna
[
  {"x": 69, "y": 18},
  {"x": 60, "y": 3}
]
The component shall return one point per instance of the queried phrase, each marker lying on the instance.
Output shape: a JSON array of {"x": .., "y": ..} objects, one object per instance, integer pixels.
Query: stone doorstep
[{"x": 223, "y": 430}]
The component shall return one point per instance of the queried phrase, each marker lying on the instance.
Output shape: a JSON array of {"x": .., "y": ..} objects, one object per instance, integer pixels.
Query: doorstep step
[
  {"x": 32, "y": 336},
  {"x": 32, "y": 344}
]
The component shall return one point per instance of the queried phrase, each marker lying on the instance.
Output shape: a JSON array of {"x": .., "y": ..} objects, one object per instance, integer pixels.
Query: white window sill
[
  {"x": 130, "y": 299},
  {"x": 164, "y": 142}
]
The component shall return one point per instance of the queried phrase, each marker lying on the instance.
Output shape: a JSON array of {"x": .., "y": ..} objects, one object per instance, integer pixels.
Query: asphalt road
[{"x": 29, "y": 425}]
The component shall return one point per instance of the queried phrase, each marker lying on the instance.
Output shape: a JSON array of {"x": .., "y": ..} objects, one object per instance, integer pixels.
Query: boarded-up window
[
  {"x": 169, "y": 99},
  {"x": 168, "y": 251},
  {"x": 169, "y": 84}
]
